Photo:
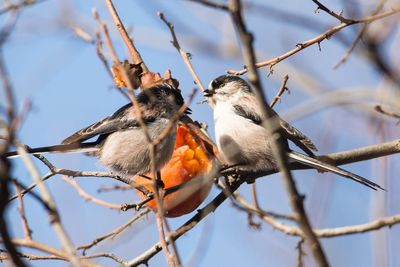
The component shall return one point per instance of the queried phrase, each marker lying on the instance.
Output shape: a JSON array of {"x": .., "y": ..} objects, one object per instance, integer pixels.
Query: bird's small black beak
[
  {"x": 208, "y": 93},
  {"x": 188, "y": 111}
]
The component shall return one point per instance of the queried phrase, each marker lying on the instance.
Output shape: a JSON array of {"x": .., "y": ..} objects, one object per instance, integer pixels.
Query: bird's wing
[
  {"x": 289, "y": 132},
  {"x": 248, "y": 113},
  {"x": 117, "y": 122},
  {"x": 319, "y": 165},
  {"x": 298, "y": 138}
]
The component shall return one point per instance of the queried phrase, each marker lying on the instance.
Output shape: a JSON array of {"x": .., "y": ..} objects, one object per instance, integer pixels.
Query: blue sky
[{"x": 69, "y": 89}]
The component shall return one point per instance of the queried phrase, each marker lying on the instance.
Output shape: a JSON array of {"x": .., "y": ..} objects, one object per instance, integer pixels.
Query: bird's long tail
[
  {"x": 317, "y": 164},
  {"x": 67, "y": 148}
]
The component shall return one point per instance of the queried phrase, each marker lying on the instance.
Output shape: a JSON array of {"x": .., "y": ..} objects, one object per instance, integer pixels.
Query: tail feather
[
  {"x": 312, "y": 162},
  {"x": 68, "y": 148}
]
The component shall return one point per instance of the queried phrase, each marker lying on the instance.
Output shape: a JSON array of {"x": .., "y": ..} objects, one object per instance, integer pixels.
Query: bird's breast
[{"x": 240, "y": 140}]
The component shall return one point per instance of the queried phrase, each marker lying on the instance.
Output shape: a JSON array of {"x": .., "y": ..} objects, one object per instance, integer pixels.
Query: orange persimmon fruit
[{"x": 189, "y": 160}]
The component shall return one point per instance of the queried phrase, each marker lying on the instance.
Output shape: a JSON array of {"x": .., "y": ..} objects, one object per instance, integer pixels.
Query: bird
[
  {"x": 121, "y": 142},
  {"x": 243, "y": 141}
]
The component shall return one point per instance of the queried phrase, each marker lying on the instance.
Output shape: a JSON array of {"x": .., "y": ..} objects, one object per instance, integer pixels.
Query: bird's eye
[{"x": 216, "y": 84}]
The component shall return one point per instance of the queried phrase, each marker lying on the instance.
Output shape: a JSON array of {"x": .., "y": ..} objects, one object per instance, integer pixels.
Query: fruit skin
[{"x": 189, "y": 160}]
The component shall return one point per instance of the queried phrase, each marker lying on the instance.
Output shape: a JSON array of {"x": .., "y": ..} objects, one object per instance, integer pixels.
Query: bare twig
[
  {"x": 33, "y": 257},
  {"x": 72, "y": 173},
  {"x": 316, "y": 40},
  {"x": 41, "y": 247},
  {"x": 380, "y": 109},
  {"x": 56, "y": 254},
  {"x": 185, "y": 56},
  {"x": 12, "y": 7},
  {"x": 113, "y": 188},
  {"x": 242, "y": 204},
  {"x": 138, "y": 205},
  {"x": 358, "y": 37},
  {"x": 113, "y": 233},
  {"x": 281, "y": 90},
  {"x": 33, "y": 195},
  {"x": 83, "y": 35},
  {"x": 211, "y": 4},
  {"x": 300, "y": 253},
  {"x": 21, "y": 207},
  {"x": 102, "y": 57},
  {"x": 134, "y": 53},
  {"x": 88, "y": 197},
  {"x": 330, "y": 12}
]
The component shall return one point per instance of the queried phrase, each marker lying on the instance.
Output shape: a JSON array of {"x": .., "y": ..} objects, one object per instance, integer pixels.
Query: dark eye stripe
[{"x": 216, "y": 84}]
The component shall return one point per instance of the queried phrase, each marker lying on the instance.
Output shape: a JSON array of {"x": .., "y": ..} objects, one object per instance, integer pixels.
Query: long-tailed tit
[
  {"x": 121, "y": 143},
  {"x": 244, "y": 143}
]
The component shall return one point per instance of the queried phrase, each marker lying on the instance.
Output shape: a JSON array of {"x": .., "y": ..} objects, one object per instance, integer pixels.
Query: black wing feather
[
  {"x": 289, "y": 132},
  {"x": 298, "y": 138},
  {"x": 248, "y": 114},
  {"x": 108, "y": 125}
]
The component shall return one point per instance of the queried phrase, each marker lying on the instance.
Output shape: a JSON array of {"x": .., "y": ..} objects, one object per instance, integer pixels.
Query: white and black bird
[
  {"x": 121, "y": 144},
  {"x": 243, "y": 141}
]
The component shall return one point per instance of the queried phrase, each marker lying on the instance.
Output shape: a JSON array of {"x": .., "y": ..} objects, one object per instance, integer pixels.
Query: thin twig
[
  {"x": 211, "y": 4},
  {"x": 113, "y": 188},
  {"x": 12, "y": 7},
  {"x": 381, "y": 110},
  {"x": 88, "y": 197},
  {"x": 113, "y": 233},
  {"x": 330, "y": 12},
  {"x": 21, "y": 208},
  {"x": 316, "y": 40},
  {"x": 34, "y": 195},
  {"x": 185, "y": 56},
  {"x": 56, "y": 254},
  {"x": 138, "y": 205},
  {"x": 300, "y": 253},
  {"x": 134, "y": 53},
  {"x": 242, "y": 204},
  {"x": 102, "y": 57},
  {"x": 356, "y": 40},
  {"x": 281, "y": 90},
  {"x": 83, "y": 35},
  {"x": 72, "y": 173},
  {"x": 33, "y": 257}
]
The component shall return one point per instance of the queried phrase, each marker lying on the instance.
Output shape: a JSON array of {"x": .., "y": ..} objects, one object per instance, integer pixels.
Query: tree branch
[
  {"x": 295, "y": 199},
  {"x": 316, "y": 40}
]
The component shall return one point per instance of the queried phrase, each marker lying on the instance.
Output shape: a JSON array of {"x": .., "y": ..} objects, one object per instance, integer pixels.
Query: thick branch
[{"x": 341, "y": 158}]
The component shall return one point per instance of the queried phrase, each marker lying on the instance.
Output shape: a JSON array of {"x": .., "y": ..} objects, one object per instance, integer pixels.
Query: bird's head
[{"x": 226, "y": 88}]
